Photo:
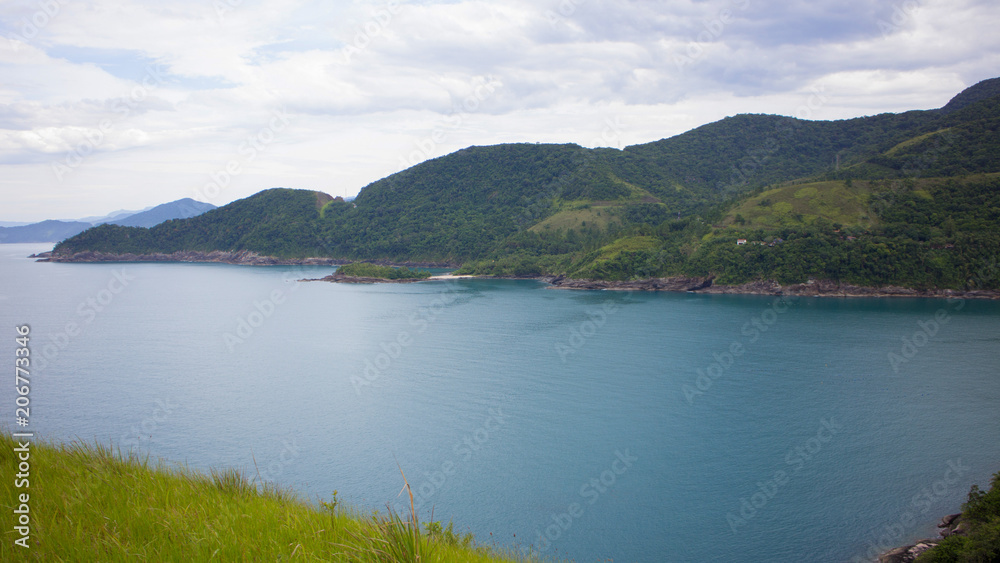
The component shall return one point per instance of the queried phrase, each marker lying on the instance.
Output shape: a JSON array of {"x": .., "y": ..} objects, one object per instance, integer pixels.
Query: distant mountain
[
  {"x": 54, "y": 231},
  {"x": 906, "y": 199},
  {"x": 275, "y": 222},
  {"x": 113, "y": 216},
  {"x": 46, "y": 231},
  {"x": 180, "y": 209}
]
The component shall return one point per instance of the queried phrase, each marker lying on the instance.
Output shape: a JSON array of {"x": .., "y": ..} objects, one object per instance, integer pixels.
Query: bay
[{"x": 587, "y": 425}]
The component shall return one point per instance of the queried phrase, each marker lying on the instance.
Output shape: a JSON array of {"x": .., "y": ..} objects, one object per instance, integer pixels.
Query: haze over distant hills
[
  {"x": 43, "y": 231},
  {"x": 908, "y": 199},
  {"x": 180, "y": 209},
  {"x": 55, "y": 230},
  {"x": 113, "y": 216}
]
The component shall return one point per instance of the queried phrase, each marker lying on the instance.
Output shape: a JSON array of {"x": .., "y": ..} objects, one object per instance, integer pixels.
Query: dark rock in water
[
  {"x": 906, "y": 554},
  {"x": 898, "y": 555},
  {"x": 950, "y": 525},
  {"x": 949, "y": 520},
  {"x": 953, "y": 525}
]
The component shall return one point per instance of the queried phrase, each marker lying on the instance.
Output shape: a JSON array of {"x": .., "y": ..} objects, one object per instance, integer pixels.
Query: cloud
[{"x": 366, "y": 84}]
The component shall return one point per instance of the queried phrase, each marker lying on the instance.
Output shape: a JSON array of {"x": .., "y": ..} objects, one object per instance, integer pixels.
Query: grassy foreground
[{"x": 90, "y": 503}]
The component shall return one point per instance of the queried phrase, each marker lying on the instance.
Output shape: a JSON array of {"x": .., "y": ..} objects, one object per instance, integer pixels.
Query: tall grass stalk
[{"x": 93, "y": 502}]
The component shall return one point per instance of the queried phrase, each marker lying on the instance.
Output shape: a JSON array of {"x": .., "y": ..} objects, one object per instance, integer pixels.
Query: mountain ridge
[
  {"x": 53, "y": 230},
  {"x": 533, "y": 209}
]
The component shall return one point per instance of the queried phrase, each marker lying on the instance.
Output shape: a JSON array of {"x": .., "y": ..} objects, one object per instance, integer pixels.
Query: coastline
[
  {"x": 811, "y": 288},
  {"x": 950, "y": 525},
  {"x": 341, "y": 278},
  {"x": 240, "y": 257},
  {"x": 691, "y": 284}
]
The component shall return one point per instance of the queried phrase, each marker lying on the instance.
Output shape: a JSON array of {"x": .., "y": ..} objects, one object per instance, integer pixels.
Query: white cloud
[{"x": 371, "y": 85}]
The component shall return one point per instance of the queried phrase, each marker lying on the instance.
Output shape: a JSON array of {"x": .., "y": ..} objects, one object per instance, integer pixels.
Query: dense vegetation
[
  {"x": 366, "y": 270},
  {"x": 982, "y": 543},
  {"x": 277, "y": 222},
  {"x": 905, "y": 199},
  {"x": 88, "y": 503}
]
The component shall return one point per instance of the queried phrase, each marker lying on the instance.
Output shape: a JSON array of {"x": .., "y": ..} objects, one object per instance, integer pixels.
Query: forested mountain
[
  {"x": 278, "y": 222},
  {"x": 907, "y": 199}
]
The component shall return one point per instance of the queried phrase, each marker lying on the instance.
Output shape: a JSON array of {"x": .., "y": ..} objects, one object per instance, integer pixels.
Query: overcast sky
[{"x": 113, "y": 104}]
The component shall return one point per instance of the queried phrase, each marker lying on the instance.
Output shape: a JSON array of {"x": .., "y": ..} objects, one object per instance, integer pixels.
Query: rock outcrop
[
  {"x": 951, "y": 525},
  {"x": 652, "y": 284},
  {"x": 908, "y": 553},
  {"x": 337, "y": 277},
  {"x": 812, "y": 288}
]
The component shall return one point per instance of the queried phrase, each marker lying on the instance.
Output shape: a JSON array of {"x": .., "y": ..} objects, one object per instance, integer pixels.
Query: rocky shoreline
[
  {"x": 812, "y": 288},
  {"x": 341, "y": 278},
  {"x": 242, "y": 257},
  {"x": 951, "y": 525}
]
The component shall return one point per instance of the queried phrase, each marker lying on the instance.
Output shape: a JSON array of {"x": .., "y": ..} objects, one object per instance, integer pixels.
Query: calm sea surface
[{"x": 574, "y": 422}]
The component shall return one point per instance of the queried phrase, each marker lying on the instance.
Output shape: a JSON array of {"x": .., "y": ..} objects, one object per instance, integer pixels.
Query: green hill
[
  {"x": 276, "y": 222},
  {"x": 802, "y": 205},
  {"x": 912, "y": 185}
]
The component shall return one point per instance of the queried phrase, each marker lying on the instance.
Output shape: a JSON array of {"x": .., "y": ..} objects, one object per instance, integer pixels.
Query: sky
[{"x": 126, "y": 104}]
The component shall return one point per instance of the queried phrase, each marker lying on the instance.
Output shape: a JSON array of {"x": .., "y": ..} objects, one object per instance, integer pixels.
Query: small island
[{"x": 364, "y": 272}]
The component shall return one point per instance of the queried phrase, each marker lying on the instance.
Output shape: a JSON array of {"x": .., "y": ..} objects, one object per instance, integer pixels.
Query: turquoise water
[{"x": 575, "y": 423}]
